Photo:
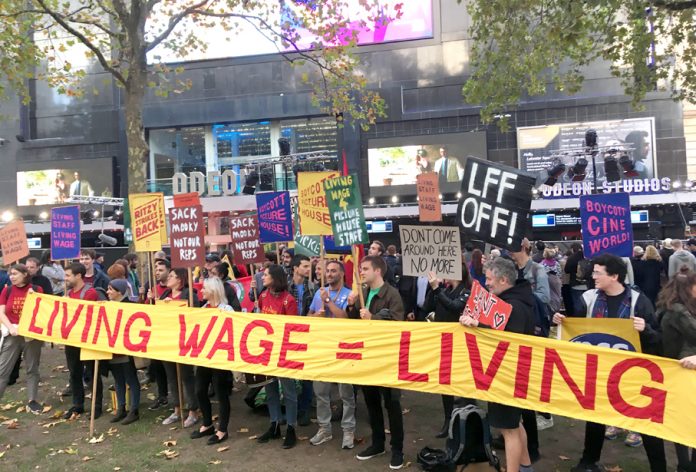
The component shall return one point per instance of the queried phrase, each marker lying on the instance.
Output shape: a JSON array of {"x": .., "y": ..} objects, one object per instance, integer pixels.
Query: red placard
[
  {"x": 187, "y": 199},
  {"x": 187, "y": 236},
  {"x": 245, "y": 240},
  {"x": 487, "y": 308}
]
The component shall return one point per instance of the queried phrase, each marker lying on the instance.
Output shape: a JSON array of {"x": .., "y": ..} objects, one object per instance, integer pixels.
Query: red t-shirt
[
  {"x": 90, "y": 294},
  {"x": 160, "y": 289},
  {"x": 15, "y": 303},
  {"x": 88, "y": 280},
  {"x": 282, "y": 304}
]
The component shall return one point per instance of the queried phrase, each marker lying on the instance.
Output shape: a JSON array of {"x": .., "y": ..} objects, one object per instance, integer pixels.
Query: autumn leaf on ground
[
  {"x": 169, "y": 443},
  {"x": 253, "y": 437},
  {"x": 211, "y": 462},
  {"x": 52, "y": 423},
  {"x": 22, "y": 409},
  {"x": 97, "y": 440},
  {"x": 243, "y": 430},
  {"x": 302, "y": 438},
  {"x": 69, "y": 450},
  {"x": 223, "y": 448},
  {"x": 615, "y": 468},
  {"x": 405, "y": 411},
  {"x": 57, "y": 414},
  {"x": 112, "y": 431},
  {"x": 2, "y": 454},
  {"x": 564, "y": 458},
  {"x": 87, "y": 458},
  {"x": 13, "y": 424},
  {"x": 46, "y": 409},
  {"x": 168, "y": 454}
]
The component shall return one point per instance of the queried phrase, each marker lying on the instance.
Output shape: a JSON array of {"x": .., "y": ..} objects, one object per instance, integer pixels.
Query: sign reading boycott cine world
[
  {"x": 431, "y": 249},
  {"x": 638, "y": 392},
  {"x": 495, "y": 203},
  {"x": 606, "y": 224}
]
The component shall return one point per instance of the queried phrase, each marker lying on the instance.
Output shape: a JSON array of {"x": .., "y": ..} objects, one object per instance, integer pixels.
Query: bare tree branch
[
  {"x": 173, "y": 21},
  {"x": 83, "y": 39},
  {"x": 106, "y": 9}
]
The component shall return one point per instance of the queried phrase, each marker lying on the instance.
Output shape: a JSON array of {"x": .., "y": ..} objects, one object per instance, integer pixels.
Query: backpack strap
[{"x": 83, "y": 291}]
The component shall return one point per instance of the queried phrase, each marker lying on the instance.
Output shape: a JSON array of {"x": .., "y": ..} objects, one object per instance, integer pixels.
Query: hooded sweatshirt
[
  {"x": 522, "y": 301},
  {"x": 681, "y": 258}
]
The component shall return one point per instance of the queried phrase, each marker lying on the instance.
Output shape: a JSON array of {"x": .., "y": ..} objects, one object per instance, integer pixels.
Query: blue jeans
[
  {"x": 290, "y": 396},
  {"x": 304, "y": 402},
  {"x": 125, "y": 373}
]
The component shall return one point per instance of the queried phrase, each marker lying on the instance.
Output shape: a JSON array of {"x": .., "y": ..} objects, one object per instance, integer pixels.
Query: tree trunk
[{"x": 138, "y": 149}]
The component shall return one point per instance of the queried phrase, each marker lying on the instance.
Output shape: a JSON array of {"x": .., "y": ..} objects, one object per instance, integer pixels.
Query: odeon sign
[
  {"x": 214, "y": 184},
  {"x": 634, "y": 186}
]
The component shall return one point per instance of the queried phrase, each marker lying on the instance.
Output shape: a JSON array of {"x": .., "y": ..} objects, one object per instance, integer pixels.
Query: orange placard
[
  {"x": 187, "y": 199},
  {"x": 13, "y": 240},
  {"x": 429, "y": 205}
]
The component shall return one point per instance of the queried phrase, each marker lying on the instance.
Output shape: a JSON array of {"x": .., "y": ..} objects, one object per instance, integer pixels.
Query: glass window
[
  {"x": 176, "y": 150},
  {"x": 308, "y": 135},
  {"x": 240, "y": 142}
]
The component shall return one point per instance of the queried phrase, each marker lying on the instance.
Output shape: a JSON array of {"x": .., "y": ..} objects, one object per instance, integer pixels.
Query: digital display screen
[
  {"x": 249, "y": 39},
  {"x": 394, "y": 163},
  {"x": 543, "y": 221},
  {"x": 379, "y": 226},
  {"x": 639, "y": 216},
  {"x": 59, "y": 180},
  {"x": 34, "y": 243}
]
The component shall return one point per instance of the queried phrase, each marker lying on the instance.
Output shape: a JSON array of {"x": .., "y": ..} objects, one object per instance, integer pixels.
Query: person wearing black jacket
[
  {"x": 501, "y": 280},
  {"x": 612, "y": 299},
  {"x": 34, "y": 268},
  {"x": 222, "y": 271},
  {"x": 447, "y": 301}
]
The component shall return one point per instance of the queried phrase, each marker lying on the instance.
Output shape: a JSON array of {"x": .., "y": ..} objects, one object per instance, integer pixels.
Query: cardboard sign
[
  {"x": 311, "y": 202},
  {"x": 613, "y": 333},
  {"x": 495, "y": 203},
  {"x": 274, "y": 216},
  {"x": 147, "y": 221},
  {"x": 346, "y": 211},
  {"x": 431, "y": 248},
  {"x": 487, "y": 308},
  {"x": 429, "y": 205},
  {"x": 306, "y": 245},
  {"x": 65, "y": 233},
  {"x": 606, "y": 224},
  {"x": 245, "y": 240},
  {"x": 187, "y": 199},
  {"x": 13, "y": 240},
  {"x": 187, "y": 236}
]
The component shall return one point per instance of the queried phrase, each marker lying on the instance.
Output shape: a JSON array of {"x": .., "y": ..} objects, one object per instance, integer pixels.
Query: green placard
[
  {"x": 346, "y": 211},
  {"x": 306, "y": 245}
]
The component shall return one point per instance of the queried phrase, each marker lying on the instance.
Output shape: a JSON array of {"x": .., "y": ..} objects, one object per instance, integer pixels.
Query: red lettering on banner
[
  {"x": 524, "y": 365},
  {"x": 655, "y": 411},
  {"x": 288, "y": 346},
  {"x": 192, "y": 344},
  {"x": 404, "y": 353},
  {"x": 446, "y": 347},
  {"x": 483, "y": 380},
  {"x": 65, "y": 329},
  {"x": 88, "y": 323},
  {"x": 32, "y": 325},
  {"x": 112, "y": 336},
  {"x": 553, "y": 359},
  {"x": 144, "y": 335},
  {"x": 52, "y": 319},
  {"x": 226, "y": 333},
  {"x": 265, "y": 356}
]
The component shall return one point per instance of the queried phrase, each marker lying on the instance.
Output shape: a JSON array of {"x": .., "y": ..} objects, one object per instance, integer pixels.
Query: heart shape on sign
[{"x": 498, "y": 320}]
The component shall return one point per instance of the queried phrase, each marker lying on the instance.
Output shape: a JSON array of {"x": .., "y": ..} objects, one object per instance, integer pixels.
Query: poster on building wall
[
  {"x": 606, "y": 225},
  {"x": 540, "y": 146},
  {"x": 495, "y": 203},
  {"x": 431, "y": 249}
]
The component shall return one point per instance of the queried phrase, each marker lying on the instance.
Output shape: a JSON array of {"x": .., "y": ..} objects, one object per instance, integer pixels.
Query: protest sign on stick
[
  {"x": 487, "y": 308},
  {"x": 13, "y": 240},
  {"x": 245, "y": 240},
  {"x": 346, "y": 211},
  {"x": 429, "y": 204},
  {"x": 147, "y": 221},
  {"x": 274, "y": 217},
  {"x": 606, "y": 224},
  {"x": 311, "y": 203},
  {"x": 431, "y": 249},
  {"x": 65, "y": 233},
  {"x": 187, "y": 236},
  {"x": 495, "y": 203}
]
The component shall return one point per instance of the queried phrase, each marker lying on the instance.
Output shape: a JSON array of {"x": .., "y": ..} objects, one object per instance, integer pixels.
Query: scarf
[{"x": 600, "y": 307}]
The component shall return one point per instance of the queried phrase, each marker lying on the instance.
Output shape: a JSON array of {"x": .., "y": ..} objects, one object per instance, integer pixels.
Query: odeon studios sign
[{"x": 632, "y": 186}]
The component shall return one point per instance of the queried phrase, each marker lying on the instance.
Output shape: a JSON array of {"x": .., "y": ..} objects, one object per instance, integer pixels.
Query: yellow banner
[
  {"x": 642, "y": 393},
  {"x": 311, "y": 203},
  {"x": 90, "y": 355},
  {"x": 614, "y": 333},
  {"x": 147, "y": 221}
]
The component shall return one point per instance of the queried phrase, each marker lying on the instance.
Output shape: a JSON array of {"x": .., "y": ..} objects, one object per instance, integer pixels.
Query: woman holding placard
[
  {"x": 275, "y": 299},
  {"x": 447, "y": 299}
]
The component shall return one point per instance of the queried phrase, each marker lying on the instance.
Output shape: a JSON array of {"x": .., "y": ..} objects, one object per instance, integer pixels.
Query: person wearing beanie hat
[
  {"x": 665, "y": 253},
  {"x": 123, "y": 367}
]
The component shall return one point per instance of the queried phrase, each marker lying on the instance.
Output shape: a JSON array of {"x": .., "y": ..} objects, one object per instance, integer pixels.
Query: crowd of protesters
[{"x": 656, "y": 289}]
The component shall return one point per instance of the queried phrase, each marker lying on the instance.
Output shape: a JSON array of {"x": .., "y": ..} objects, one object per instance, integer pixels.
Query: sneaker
[
  {"x": 190, "y": 421},
  {"x": 160, "y": 402},
  {"x": 544, "y": 423},
  {"x": 633, "y": 440},
  {"x": 581, "y": 467},
  {"x": 612, "y": 432},
  {"x": 34, "y": 407},
  {"x": 369, "y": 453},
  {"x": 348, "y": 440},
  {"x": 397, "y": 460},
  {"x": 322, "y": 436},
  {"x": 171, "y": 419}
]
